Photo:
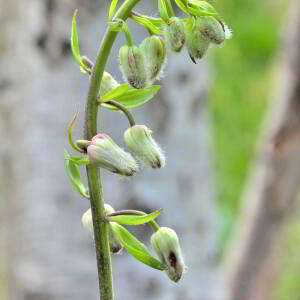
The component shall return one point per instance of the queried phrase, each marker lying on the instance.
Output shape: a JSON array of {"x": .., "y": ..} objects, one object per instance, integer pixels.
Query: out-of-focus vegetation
[
  {"x": 243, "y": 82},
  {"x": 240, "y": 93}
]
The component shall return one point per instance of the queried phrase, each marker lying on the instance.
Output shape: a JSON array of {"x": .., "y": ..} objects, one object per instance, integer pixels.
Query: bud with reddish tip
[
  {"x": 174, "y": 34},
  {"x": 87, "y": 222},
  {"x": 105, "y": 153},
  {"x": 107, "y": 83},
  {"x": 132, "y": 64},
  {"x": 154, "y": 51},
  {"x": 140, "y": 142},
  {"x": 165, "y": 242}
]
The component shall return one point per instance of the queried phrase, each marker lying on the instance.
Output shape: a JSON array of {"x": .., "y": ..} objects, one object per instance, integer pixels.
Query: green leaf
[
  {"x": 137, "y": 249},
  {"x": 165, "y": 9},
  {"x": 73, "y": 173},
  {"x": 113, "y": 94},
  {"x": 79, "y": 160},
  {"x": 71, "y": 126},
  {"x": 201, "y": 8},
  {"x": 147, "y": 23},
  {"x": 133, "y": 219},
  {"x": 134, "y": 97},
  {"x": 112, "y": 9},
  {"x": 75, "y": 39},
  {"x": 182, "y": 5}
]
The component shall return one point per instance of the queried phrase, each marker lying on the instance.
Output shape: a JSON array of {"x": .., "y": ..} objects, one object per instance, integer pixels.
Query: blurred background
[{"x": 230, "y": 128}]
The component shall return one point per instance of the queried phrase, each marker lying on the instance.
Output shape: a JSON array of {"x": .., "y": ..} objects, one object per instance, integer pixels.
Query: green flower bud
[
  {"x": 132, "y": 64},
  {"x": 140, "y": 142},
  {"x": 166, "y": 245},
  {"x": 196, "y": 43},
  {"x": 154, "y": 51},
  {"x": 211, "y": 29},
  {"x": 87, "y": 222},
  {"x": 174, "y": 34},
  {"x": 105, "y": 153},
  {"x": 107, "y": 83}
]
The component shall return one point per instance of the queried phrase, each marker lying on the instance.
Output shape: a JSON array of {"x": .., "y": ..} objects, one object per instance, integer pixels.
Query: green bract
[
  {"x": 133, "y": 67},
  {"x": 154, "y": 50},
  {"x": 174, "y": 34}
]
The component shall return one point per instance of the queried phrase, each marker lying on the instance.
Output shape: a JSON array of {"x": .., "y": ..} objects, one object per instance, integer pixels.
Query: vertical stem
[{"x": 93, "y": 173}]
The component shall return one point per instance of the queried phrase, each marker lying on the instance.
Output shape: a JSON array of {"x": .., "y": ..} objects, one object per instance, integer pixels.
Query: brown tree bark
[{"x": 275, "y": 180}]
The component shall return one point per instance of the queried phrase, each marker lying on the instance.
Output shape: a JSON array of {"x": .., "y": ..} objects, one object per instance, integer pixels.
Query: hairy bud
[
  {"x": 196, "y": 43},
  {"x": 174, "y": 34},
  {"x": 210, "y": 29},
  {"x": 132, "y": 64},
  {"x": 105, "y": 153},
  {"x": 140, "y": 142},
  {"x": 166, "y": 245},
  {"x": 154, "y": 51},
  {"x": 87, "y": 222},
  {"x": 107, "y": 83}
]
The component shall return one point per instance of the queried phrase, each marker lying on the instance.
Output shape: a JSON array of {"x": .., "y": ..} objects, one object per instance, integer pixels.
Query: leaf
[
  {"x": 133, "y": 219},
  {"x": 147, "y": 23},
  {"x": 113, "y": 94},
  {"x": 165, "y": 9},
  {"x": 134, "y": 97},
  {"x": 79, "y": 160},
  {"x": 137, "y": 249},
  {"x": 182, "y": 5},
  {"x": 201, "y": 8},
  {"x": 73, "y": 173},
  {"x": 112, "y": 9},
  {"x": 71, "y": 126},
  {"x": 205, "y": 6},
  {"x": 75, "y": 39}
]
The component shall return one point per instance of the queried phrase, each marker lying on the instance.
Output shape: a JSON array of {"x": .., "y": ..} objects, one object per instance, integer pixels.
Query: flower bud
[
  {"x": 105, "y": 153},
  {"x": 174, "y": 34},
  {"x": 132, "y": 64},
  {"x": 140, "y": 142},
  {"x": 107, "y": 83},
  {"x": 166, "y": 245},
  {"x": 154, "y": 51},
  {"x": 87, "y": 222},
  {"x": 211, "y": 29},
  {"x": 196, "y": 43}
]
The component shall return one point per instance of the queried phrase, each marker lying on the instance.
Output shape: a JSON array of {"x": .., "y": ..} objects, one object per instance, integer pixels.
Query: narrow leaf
[
  {"x": 133, "y": 219},
  {"x": 71, "y": 126},
  {"x": 137, "y": 249},
  {"x": 147, "y": 23},
  {"x": 196, "y": 11},
  {"x": 115, "y": 93},
  {"x": 182, "y": 5},
  {"x": 112, "y": 9},
  {"x": 75, "y": 39},
  {"x": 135, "y": 97},
  {"x": 73, "y": 173},
  {"x": 79, "y": 160}
]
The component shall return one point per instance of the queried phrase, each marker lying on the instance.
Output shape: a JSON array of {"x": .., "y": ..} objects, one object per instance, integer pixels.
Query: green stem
[
  {"x": 93, "y": 173},
  {"x": 122, "y": 108},
  {"x": 154, "y": 226}
]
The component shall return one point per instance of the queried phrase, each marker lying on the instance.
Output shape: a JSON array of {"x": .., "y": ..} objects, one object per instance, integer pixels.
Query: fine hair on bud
[
  {"x": 174, "y": 34},
  {"x": 139, "y": 141},
  {"x": 196, "y": 44},
  {"x": 132, "y": 65},
  {"x": 105, "y": 153},
  {"x": 211, "y": 29},
  {"x": 165, "y": 243},
  {"x": 154, "y": 51},
  {"x": 107, "y": 83}
]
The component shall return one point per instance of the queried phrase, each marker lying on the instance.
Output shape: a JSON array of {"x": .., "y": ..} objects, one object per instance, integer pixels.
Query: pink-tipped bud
[
  {"x": 105, "y": 153},
  {"x": 139, "y": 141}
]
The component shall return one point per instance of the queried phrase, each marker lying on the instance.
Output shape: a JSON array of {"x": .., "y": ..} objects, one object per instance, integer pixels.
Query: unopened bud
[
  {"x": 107, "y": 83},
  {"x": 140, "y": 142},
  {"x": 174, "y": 34},
  {"x": 196, "y": 43},
  {"x": 87, "y": 222},
  {"x": 132, "y": 64},
  {"x": 154, "y": 51},
  {"x": 105, "y": 153},
  {"x": 165, "y": 242},
  {"x": 210, "y": 29}
]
